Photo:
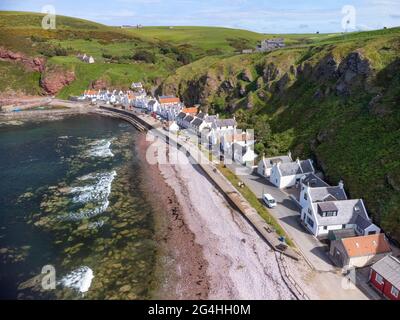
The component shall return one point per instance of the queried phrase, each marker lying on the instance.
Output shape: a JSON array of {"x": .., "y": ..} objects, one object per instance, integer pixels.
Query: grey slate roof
[
  {"x": 293, "y": 168},
  {"x": 327, "y": 206},
  {"x": 326, "y": 193},
  {"x": 314, "y": 181},
  {"x": 181, "y": 115},
  {"x": 188, "y": 118},
  {"x": 197, "y": 122},
  {"x": 348, "y": 212},
  {"x": 201, "y": 115},
  {"x": 225, "y": 123},
  {"x": 210, "y": 119},
  {"x": 389, "y": 269},
  {"x": 166, "y": 97},
  {"x": 269, "y": 162},
  {"x": 306, "y": 166},
  {"x": 363, "y": 223}
]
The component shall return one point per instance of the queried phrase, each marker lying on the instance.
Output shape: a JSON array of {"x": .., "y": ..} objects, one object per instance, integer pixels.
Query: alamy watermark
[
  {"x": 49, "y": 20},
  {"x": 49, "y": 277}
]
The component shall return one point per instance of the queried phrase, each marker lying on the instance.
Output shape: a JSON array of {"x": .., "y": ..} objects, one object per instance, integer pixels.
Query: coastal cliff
[{"x": 335, "y": 102}]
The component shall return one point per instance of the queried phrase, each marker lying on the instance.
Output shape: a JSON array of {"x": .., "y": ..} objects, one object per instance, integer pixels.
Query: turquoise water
[{"x": 71, "y": 197}]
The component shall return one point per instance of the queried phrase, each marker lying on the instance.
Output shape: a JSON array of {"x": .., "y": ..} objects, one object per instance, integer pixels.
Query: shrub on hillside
[
  {"x": 52, "y": 51},
  {"x": 144, "y": 55}
]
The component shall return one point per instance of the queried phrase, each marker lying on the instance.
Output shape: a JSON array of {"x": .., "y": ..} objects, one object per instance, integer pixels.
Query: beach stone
[
  {"x": 121, "y": 225},
  {"x": 125, "y": 288}
]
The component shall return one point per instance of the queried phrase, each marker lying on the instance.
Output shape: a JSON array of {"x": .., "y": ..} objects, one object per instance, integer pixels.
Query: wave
[
  {"x": 79, "y": 279},
  {"x": 96, "y": 193},
  {"x": 101, "y": 148}
]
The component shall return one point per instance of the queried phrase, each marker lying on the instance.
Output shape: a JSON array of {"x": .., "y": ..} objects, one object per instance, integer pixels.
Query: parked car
[{"x": 269, "y": 200}]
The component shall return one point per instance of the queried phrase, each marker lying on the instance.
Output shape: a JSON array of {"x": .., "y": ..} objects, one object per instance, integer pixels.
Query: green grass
[
  {"x": 255, "y": 203},
  {"x": 117, "y": 75},
  {"x": 206, "y": 38},
  {"x": 15, "y": 77},
  {"x": 25, "y": 20}
]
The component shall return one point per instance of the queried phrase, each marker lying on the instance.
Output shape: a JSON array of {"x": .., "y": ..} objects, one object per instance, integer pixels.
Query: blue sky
[{"x": 277, "y": 16}]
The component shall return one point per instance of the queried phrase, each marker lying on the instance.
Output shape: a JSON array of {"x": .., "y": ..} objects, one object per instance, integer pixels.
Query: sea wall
[{"x": 42, "y": 114}]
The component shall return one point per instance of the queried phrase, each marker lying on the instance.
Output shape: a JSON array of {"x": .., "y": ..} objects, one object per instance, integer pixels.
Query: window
[
  {"x": 305, "y": 196},
  {"x": 343, "y": 226},
  {"x": 379, "y": 278},
  {"x": 325, "y": 227},
  {"x": 395, "y": 292},
  {"x": 310, "y": 222},
  {"x": 309, "y": 211}
]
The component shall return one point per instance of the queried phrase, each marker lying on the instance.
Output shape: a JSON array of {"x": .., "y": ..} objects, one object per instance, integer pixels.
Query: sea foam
[
  {"x": 96, "y": 192},
  {"x": 101, "y": 148},
  {"x": 79, "y": 279}
]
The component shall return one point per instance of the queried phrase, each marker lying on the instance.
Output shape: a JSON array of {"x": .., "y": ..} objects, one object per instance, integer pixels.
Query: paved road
[{"x": 288, "y": 216}]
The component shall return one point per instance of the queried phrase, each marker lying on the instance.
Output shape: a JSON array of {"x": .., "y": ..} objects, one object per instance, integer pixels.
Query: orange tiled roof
[
  {"x": 366, "y": 245},
  {"x": 169, "y": 100},
  {"x": 90, "y": 92},
  {"x": 192, "y": 110}
]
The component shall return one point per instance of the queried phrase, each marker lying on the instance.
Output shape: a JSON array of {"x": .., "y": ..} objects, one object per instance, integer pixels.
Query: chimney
[
  {"x": 290, "y": 155},
  {"x": 341, "y": 184}
]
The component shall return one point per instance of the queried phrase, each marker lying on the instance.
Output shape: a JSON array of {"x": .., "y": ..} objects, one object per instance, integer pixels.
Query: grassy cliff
[
  {"x": 122, "y": 55},
  {"x": 332, "y": 97},
  {"x": 335, "y": 100}
]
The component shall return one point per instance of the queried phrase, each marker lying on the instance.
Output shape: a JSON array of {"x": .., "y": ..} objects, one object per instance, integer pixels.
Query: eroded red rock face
[
  {"x": 100, "y": 84},
  {"x": 31, "y": 64},
  {"x": 53, "y": 80}
]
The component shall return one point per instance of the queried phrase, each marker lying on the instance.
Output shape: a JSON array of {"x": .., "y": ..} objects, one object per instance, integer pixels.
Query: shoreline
[
  {"x": 239, "y": 265},
  {"x": 181, "y": 267}
]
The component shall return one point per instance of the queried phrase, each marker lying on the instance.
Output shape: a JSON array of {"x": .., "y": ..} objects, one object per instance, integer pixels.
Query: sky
[{"x": 266, "y": 16}]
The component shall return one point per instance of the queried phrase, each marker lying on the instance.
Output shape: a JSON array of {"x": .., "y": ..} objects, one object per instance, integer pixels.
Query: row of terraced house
[{"x": 330, "y": 215}]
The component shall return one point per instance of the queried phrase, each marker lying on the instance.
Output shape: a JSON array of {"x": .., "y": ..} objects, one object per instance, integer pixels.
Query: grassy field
[
  {"x": 291, "y": 98},
  {"x": 115, "y": 49}
]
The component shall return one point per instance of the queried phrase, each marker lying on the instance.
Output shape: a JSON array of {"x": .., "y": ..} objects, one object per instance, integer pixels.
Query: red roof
[
  {"x": 192, "y": 110},
  {"x": 366, "y": 245},
  {"x": 169, "y": 100}
]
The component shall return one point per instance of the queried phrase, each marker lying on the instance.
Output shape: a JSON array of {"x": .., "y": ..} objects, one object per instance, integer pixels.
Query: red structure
[{"x": 385, "y": 277}]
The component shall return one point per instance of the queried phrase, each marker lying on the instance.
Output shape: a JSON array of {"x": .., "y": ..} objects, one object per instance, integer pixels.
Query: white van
[{"x": 269, "y": 200}]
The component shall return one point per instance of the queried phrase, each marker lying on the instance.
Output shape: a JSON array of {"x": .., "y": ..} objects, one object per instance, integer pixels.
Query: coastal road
[
  {"x": 324, "y": 280},
  {"x": 288, "y": 215}
]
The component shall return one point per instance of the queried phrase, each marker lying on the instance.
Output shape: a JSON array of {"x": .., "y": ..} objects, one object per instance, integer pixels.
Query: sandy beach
[{"x": 213, "y": 250}]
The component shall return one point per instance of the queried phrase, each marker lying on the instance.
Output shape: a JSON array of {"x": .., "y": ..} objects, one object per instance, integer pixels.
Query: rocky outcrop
[
  {"x": 100, "y": 84},
  {"x": 30, "y": 64},
  {"x": 352, "y": 72},
  {"x": 270, "y": 72},
  {"x": 54, "y": 79},
  {"x": 326, "y": 69}
]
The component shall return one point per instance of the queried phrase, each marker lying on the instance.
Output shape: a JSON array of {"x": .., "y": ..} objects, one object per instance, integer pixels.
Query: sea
[{"x": 75, "y": 220}]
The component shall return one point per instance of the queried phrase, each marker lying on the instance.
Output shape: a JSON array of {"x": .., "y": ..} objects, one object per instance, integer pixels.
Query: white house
[
  {"x": 137, "y": 85},
  {"x": 326, "y": 208},
  {"x": 284, "y": 175},
  {"x": 244, "y": 153},
  {"x": 172, "y": 126},
  {"x": 265, "y": 165},
  {"x": 152, "y": 105},
  {"x": 219, "y": 127},
  {"x": 168, "y": 100},
  {"x": 86, "y": 58},
  {"x": 91, "y": 94}
]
